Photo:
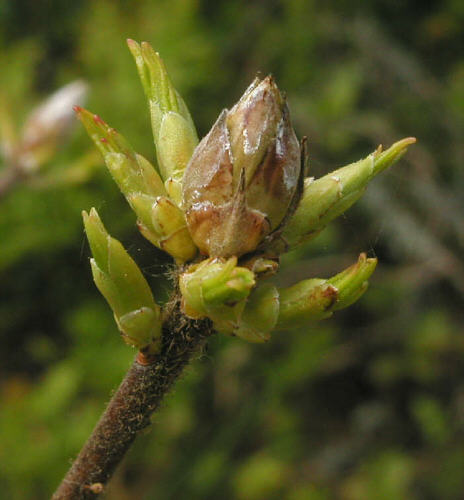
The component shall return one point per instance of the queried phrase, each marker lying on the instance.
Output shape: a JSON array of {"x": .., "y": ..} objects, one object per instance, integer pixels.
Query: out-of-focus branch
[{"x": 46, "y": 128}]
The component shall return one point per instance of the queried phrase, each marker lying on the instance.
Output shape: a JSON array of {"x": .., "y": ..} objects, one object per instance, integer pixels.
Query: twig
[{"x": 130, "y": 408}]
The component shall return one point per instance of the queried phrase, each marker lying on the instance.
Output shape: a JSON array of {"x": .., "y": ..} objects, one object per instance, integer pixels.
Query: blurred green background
[{"x": 368, "y": 404}]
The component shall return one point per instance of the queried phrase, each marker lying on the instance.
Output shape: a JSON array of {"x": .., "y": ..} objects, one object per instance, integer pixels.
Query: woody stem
[{"x": 130, "y": 408}]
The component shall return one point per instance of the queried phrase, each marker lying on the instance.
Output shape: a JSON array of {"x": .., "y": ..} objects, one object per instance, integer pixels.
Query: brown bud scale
[{"x": 243, "y": 175}]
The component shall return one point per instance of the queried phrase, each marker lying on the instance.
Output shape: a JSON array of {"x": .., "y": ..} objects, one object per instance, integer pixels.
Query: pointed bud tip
[
  {"x": 98, "y": 119},
  {"x": 84, "y": 115},
  {"x": 408, "y": 140},
  {"x": 93, "y": 213},
  {"x": 362, "y": 257},
  {"x": 363, "y": 260},
  {"x": 269, "y": 79},
  {"x": 397, "y": 146},
  {"x": 87, "y": 117},
  {"x": 147, "y": 47},
  {"x": 385, "y": 158}
]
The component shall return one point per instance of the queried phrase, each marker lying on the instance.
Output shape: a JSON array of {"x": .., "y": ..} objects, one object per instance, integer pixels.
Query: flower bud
[{"x": 243, "y": 175}]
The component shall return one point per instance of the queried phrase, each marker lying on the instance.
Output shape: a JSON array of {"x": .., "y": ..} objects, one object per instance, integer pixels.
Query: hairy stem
[{"x": 130, "y": 408}]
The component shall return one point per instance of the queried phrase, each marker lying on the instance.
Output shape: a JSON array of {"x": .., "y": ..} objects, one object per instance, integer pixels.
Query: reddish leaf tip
[{"x": 97, "y": 119}]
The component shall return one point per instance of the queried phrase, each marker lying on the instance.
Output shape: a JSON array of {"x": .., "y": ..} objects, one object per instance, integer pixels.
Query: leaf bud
[
  {"x": 122, "y": 284},
  {"x": 174, "y": 132},
  {"x": 326, "y": 198},
  {"x": 316, "y": 299},
  {"x": 159, "y": 219},
  {"x": 211, "y": 287}
]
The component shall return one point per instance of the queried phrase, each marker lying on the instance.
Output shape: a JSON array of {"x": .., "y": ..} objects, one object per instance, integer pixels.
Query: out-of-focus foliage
[{"x": 368, "y": 405}]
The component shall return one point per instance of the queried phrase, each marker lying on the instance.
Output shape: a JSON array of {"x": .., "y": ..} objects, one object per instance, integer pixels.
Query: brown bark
[{"x": 130, "y": 408}]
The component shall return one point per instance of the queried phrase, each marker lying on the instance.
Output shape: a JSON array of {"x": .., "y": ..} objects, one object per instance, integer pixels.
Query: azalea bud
[
  {"x": 214, "y": 287},
  {"x": 243, "y": 175},
  {"x": 326, "y": 198},
  {"x": 122, "y": 284},
  {"x": 224, "y": 292},
  {"x": 159, "y": 219},
  {"x": 316, "y": 299},
  {"x": 174, "y": 133},
  {"x": 132, "y": 172}
]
